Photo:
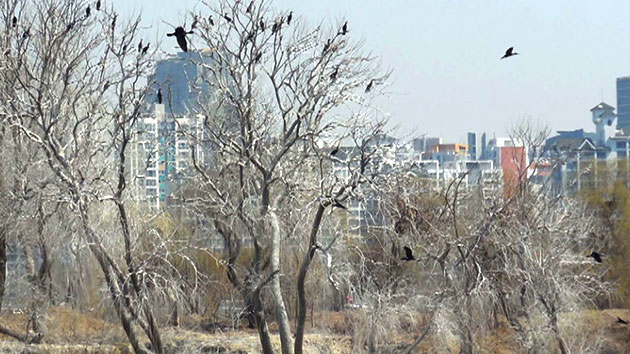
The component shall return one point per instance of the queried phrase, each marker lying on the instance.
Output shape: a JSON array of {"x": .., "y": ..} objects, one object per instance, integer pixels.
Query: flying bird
[
  {"x": 210, "y": 20},
  {"x": 14, "y": 21},
  {"x": 87, "y": 11},
  {"x": 408, "y": 255},
  {"x": 289, "y": 18},
  {"x": 508, "y": 53},
  {"x": 344, "y": 29},
  {"x": 180, "y": 33},
  {"x": 159, "y": 96},
  {"x": 369, "y": 86},
  {"x": 227, "y": 18},
  {"x": 621, "y": 321},
  {"x": 98, "y": 5},
  {"x": 145, "y": 49},
  {"x": 596, "y": 256}
]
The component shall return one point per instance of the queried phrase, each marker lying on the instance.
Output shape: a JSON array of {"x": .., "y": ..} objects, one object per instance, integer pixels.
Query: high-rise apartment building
[{"x": 623, "y": 104}]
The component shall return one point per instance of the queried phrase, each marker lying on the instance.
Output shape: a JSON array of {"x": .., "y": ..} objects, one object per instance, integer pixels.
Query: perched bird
[
  {"x": 408, "y": 255},
  {"x": 326, "y": 47},
  {"x": 596, "y": 256},
  {"x": 257, "y": 58},
  {"x": 26, "y": 34},
  {"x": 508, "y": 53},
  {"x": 621, "y": 321},
  {"x": 334, "y": 151},
  {"x": 14, "y": 21},
  {"x": 140, "y": 46},
  {"x": 145, "y": 49},
  {"x": 180, "y": 33},
  {"x": 289, "y": 18},
  {"x": 369, "y": 86},
  {"x": 262, "y": 25},
  {"x": 250, "y": 7},
  {"x": 87, "y": 11},
  {"x": 210, "y": 20},
  {"x": 69, "y": 27},
  {"x": 333, "y": 75},
  {"x": 98, "y": 5},
  {"x": 114, "y": 23},
  {"x": 344, "y": 29},
  {"x": 159, "y": 96},
  {"x": 227, "y": 18},
  {"x": 276, "y": 27},
  {"x": 194, "y": 23}
]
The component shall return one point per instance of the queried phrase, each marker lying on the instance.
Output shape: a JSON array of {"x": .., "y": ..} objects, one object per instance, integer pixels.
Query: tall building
[
  {"x": 623, "y": 104},
  {"x": 166, "y": 131},
  {"x": 473, "y": 152}
]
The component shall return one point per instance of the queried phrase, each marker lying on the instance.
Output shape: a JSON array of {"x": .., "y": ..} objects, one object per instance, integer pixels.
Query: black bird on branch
[
  {"x": 289, "y": 18},
  {"x": 159, "y": 96},
  {"x": 257, "y": 58},
  {"x": 210, "y": 20},
  {"x": 87, "y": 12},
  {"x": 326, "y": 47},
  {"x": 140, "y": 46},
  {"x": 145, "y": 49},
  {"x": 344, "y": 28},
  {"x": 621, "y": 321},
  {"x": 408, "y": 255},
  {"x": 98, "y": 5},
  {"x": 333, "y": 75},
  {"x": 334, "y": 151},
  {"x": 596, "y": 256},
  {"x": 180, "y": 33},
  {"x": 508, "y": 53},
  {"x": 262, "y": 25},
  {"x": 227, "y": 18},
  {"x": 194, "y": 23},
  {"x": 369, "y": 86},
  {"x": 250, "y": 7},
  {"x": 14, "y": 21}
]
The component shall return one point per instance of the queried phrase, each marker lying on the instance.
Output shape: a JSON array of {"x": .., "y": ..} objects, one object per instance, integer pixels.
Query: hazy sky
[{"x": 448, "y": 78}]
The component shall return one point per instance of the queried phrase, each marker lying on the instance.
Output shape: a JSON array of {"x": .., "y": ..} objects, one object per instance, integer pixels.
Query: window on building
[
  {"x": 151, "y": 182},
  {"x": 621, "y": 145}
]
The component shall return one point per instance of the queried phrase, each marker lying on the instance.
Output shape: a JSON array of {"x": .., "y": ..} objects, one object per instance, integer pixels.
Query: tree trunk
[
  {"x": 276, "y": 291},
  {"x": 3, "y": 265},
  {"x": 261, "y": 324},
  {"x": 306, "y": 262}
]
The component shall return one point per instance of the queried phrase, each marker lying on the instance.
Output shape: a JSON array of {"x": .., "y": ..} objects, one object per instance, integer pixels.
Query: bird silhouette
[
  {"x": 145, "y": 49},
  {"x": 333, "y": 75},
  {"x": 210, "y": 20},
  {"x": 508, "y": 53},
  {"x": 369, "y": 86},
  {"x": 26, "y": 34},
  {"x": 262, "y": 25},
  {"x": 159, "y": 96},
  {"x": 227, "y": 18},
  {"x": 408, "y": 255},
  {"x": 87, "y": 11},
  {"x": 140, "y": 46},
  {"x": 180, "y": 33},
  {"x": 258, "y": 56},
  {"x": 326, "y": 47},
  {"x": 114, "y": 23},
  {"x": 344, "y": 29},
  {"x": 334, "y": 151},
  {"x": 621, "y": 321},
  {"x": 250, "y": 7},
  {"x": 289, "y": 18},
  {"x": 596, "y": 256},
  {"x": 14, "y": 21},
  {"x": 276, "y": 27},
  {"x": 98, "y": 5},
  {"x": 194, "y": 23}
]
